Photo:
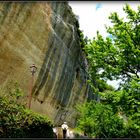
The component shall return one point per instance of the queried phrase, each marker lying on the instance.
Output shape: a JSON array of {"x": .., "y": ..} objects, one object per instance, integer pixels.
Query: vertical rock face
[{"x": 44, "y": 33}]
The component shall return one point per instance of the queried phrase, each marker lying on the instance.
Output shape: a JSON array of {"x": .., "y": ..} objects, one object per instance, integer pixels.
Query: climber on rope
[{"x": 64, "y": 127}]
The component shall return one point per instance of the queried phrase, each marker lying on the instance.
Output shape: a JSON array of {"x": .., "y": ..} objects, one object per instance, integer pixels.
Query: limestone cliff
[{"x": 44, "y": 33}]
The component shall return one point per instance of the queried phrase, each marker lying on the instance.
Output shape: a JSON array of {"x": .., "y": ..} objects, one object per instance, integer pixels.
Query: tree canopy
[
  {"x": 117, "y": 56},
  {"x": 111, "y": 58}
]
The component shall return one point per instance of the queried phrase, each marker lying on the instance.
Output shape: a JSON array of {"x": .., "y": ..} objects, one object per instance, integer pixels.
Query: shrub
[
  {"x": 98, "y": 120},
  {"x": 16, "y": 121}
]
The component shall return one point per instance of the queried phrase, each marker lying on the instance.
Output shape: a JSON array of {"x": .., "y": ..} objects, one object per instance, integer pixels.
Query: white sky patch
[
  {"x": 114, "y": 83},
  {"x": 93, "y": 16}
]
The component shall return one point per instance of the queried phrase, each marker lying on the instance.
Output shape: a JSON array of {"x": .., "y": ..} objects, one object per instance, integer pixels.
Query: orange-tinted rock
[{"x": 44, "y": 33}]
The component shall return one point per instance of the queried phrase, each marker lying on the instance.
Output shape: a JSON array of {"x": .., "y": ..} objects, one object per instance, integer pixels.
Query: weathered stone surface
[{"x": 44, "y": 33}]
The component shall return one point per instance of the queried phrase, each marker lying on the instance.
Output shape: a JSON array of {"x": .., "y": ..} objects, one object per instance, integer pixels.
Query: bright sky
[{"x": 93, "y": 16}]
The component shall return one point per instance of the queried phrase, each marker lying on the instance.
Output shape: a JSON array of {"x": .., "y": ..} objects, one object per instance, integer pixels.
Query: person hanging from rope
[{"x": 64, "y": 127}]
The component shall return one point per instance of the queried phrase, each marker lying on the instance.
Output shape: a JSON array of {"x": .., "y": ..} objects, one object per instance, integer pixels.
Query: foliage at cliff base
[{"x": 16, "y": 121}]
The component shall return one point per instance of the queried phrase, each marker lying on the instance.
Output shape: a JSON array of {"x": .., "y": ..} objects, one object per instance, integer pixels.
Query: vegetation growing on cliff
[
  {"x": 16, "y": 121},
  {"x": 111, "y": 58}
]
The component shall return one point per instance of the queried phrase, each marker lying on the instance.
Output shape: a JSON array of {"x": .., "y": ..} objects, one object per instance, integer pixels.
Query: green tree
[
  {"x": 111, "y": 58},
  {"x": 126, "y": 103},
  {"x": 119, "y": 56},
  {"x": 99, "y": 120}
]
